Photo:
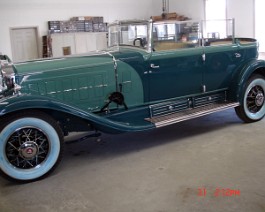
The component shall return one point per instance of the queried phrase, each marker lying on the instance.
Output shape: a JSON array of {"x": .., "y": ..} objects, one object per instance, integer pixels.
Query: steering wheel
[{"x": 142, "y": 41}]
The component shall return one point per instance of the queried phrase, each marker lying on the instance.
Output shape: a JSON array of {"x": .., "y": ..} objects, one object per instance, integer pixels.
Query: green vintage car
[{"x": 153, "y": 74}]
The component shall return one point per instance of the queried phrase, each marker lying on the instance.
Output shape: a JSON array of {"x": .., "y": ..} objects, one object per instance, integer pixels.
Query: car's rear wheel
[
  {"x": 31, "y": 145},
  {"x": 252, "y": 107}
]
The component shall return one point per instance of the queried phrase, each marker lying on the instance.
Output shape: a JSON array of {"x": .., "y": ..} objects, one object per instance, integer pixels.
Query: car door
[
  {"x": 176, "y": 62},
  {"x": 175, "y": 73},
  {"x": 222, "y": 58}
]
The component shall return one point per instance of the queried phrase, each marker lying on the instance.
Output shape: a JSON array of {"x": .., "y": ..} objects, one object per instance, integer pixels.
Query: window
[
  {"x": 215, "y": 10},
  {"x": 129, "y": 34},
  {"x": 174, "y": 35}
]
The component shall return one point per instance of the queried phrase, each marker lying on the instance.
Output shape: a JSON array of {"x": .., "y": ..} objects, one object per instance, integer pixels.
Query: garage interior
[{"x": 212, "y": 163}]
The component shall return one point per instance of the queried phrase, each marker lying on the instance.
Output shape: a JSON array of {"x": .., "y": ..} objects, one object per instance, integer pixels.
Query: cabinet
[{"x": 77, "y": 43}]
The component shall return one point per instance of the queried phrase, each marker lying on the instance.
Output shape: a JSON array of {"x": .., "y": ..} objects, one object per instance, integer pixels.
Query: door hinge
[
  {"x": 203, "y": 57},
  {"x": 203, "y": 88}
]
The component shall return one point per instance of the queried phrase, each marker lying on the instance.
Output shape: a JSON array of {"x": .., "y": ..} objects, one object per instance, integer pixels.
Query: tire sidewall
[
  {"x": 260, "y": 114},
  {"x": 41, "y": 169}
]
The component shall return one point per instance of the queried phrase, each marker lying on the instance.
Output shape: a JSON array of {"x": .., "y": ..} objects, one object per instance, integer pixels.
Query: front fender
[
  {"x": 242, "y": 75},
  {"x": 29, "y": 102}
]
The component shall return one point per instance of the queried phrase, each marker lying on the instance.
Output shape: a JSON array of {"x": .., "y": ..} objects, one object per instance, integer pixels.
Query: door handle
[
  {"x": 237, "y": 55},
  {"x": 154, "y": 66}
]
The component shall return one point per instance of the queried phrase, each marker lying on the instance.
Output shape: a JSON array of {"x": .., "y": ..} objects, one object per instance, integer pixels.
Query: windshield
[{"x": 135, "y": 34}]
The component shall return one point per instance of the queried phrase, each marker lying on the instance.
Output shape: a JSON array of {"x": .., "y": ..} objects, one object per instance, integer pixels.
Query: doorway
[{"x": 24, "y": 43}]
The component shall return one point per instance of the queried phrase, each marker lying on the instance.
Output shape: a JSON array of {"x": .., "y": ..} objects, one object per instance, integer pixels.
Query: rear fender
[{"x": 245, "y": 72}]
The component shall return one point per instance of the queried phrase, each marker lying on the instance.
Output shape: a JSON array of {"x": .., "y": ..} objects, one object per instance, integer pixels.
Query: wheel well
[
  {"x": 67, "y": 122},
  {"x": 260, "y": 71}
]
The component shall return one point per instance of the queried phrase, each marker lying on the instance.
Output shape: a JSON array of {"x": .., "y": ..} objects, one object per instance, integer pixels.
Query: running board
[{"x": 161, "y": 121}]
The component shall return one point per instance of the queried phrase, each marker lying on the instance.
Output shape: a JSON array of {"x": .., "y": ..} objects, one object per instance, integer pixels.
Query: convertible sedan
[{"x": 152, "y": 75}]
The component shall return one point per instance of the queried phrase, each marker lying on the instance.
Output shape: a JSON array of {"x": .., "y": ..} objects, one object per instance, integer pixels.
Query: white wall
[
  {"x": 20, "y": 13},
  {"x": 241, "y": 10},
  {"x": 244, "y": 12},
  {"x": 259, "y": 25},
  {"x": 193, "y": 9}
]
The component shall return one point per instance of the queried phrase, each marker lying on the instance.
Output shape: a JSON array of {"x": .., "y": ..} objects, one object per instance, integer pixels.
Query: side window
[
  {"x": 176, "y": 35},
  {"x": 135, "y": 34},
  {"x": 218, "y": 32}
]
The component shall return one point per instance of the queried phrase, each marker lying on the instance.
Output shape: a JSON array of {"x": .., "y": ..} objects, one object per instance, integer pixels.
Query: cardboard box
[
  {"x": 88, "y": 18},
  {"x": 171, "y": 16},
  {"x": 157, "y": 18}
]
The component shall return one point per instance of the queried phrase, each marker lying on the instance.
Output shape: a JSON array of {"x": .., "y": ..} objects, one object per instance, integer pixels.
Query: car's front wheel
[
  {"x": 30, "y": 146},
  {"x": 252, "y": 107}
]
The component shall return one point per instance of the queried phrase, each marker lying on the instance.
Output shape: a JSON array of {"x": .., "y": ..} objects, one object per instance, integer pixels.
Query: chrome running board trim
[{"x": 161, "y": 121}]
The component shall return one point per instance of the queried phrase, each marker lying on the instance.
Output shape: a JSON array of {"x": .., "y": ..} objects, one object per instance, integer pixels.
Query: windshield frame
[{"x": 126, "y": 23}]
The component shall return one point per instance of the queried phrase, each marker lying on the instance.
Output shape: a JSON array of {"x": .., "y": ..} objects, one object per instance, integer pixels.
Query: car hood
[{"x": 88, "y": 60}]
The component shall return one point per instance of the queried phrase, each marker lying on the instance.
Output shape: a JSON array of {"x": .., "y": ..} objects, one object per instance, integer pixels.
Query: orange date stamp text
[{"x": 218, "y": 192}]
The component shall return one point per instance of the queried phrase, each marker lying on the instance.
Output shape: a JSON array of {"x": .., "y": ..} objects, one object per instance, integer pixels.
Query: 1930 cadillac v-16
[{"x": 154, "y": 74}]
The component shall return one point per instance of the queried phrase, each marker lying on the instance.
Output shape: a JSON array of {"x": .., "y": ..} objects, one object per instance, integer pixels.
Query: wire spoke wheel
[
  {"x": 27, "y": 148},
  {"x": 31, "y": 146},
  {"x": 252, "y": 107},
  {"x": 255, "y": 99}
]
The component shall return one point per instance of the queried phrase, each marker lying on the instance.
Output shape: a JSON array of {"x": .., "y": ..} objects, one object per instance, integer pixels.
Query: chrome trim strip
[
  {"x": 168, "y": 121},
  {"x": 115, "y": 65}
]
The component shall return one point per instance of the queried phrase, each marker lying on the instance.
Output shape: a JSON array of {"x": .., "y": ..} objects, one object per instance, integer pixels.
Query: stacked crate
[
  {"x": 79, "y": 24},
  {"x": 88, "y": 26},
  {"x": 54, "y": 26}
]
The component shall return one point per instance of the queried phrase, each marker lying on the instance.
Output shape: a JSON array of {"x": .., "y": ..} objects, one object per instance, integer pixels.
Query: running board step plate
[{"x": 161, "y": 121}]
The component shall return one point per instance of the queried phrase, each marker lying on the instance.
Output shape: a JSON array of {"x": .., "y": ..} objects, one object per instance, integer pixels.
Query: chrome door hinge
[
  {"x": 203, "y": 88},
  {"x": 203, "y": 57}
]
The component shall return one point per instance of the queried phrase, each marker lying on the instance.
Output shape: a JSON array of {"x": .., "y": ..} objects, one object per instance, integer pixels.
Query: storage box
[
  {"x": 54, "y": 26},
  {"x": 68, "y": 26},
  {"x": 88, "y": 26},
  {"x": 80, "y": 26},
  {"x": 79, "y": 18},
  {"x": 102, "y": 27},
  {"x": 97, "y": 20},
  {"x": 95, "y": 27},
  {"x": 89, "y": 18}
]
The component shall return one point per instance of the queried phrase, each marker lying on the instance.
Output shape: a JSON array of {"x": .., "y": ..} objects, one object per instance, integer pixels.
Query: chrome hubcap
[
  {"x": 255, "y": 99},
  {"x": 259, "y": 99},
  {"x": 27, "y": 148}
]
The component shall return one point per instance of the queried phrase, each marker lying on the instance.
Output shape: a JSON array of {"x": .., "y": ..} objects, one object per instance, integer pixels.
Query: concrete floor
[{"x": 163, "y": 170}]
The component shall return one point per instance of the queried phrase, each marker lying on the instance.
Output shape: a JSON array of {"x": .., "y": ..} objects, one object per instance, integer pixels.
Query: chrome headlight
[
  {"x": 7, "y": 77},
  {"x": 1, "y": 82}
]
